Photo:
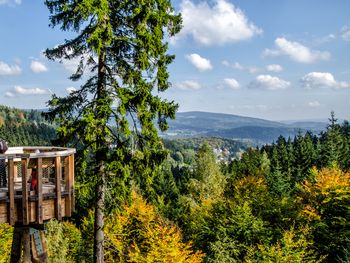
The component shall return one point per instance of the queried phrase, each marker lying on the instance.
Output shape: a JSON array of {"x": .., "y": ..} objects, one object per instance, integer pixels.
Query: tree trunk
[
  {"x": 100, "y": 161},
  {"x": 99, "y": 216}
]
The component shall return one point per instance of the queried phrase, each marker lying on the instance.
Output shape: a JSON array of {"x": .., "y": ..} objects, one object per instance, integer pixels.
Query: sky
[{"x": 271, "y": 59}]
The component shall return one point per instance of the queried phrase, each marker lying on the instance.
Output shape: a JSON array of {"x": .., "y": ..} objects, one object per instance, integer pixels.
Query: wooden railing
[{"x": 53, "y": 196}]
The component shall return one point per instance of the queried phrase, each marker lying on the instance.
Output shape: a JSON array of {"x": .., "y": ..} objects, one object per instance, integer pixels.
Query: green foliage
[
  {"x": 6, "y": 232},
  {"x": 119, "y": 43},
  {"x": 25, "y": 128},
  {"x": 121, "y": 47},
  {"x": 64, "y": 242},
  {"x": 295, "y": 246}
]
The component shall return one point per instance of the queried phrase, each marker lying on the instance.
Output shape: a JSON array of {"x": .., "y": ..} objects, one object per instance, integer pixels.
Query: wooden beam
[
  {"x": 58, "y": 176},
  {"x": 68, "y": 199},
  {"x": 25, "y": 215},
  {"x": 11, "y": 191},
  {"x": 26, "y": 246},
  {"x": 72, "y": 182},
  {"x": 39, "y": 211}
]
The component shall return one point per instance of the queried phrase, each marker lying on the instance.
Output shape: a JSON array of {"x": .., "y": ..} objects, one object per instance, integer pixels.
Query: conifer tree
[
  {"x": 332, "y": 143},
  {"x": 123, "y": 56}
]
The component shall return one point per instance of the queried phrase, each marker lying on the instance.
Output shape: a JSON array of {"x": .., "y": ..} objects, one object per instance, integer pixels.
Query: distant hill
[
  {"x": 258, "y": 131},
  {"x": 25, "y": 127}
]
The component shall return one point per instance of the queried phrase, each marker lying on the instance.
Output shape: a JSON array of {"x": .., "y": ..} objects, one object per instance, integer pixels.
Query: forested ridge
[
  {"x": 25, "y": 127},
  {"x": 284, "y": 202}
]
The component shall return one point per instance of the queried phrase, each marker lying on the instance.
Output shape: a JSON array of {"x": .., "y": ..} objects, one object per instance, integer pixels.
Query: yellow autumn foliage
[
  {"x": 139, "y": 234},
  {"x": 6, "y": 232},
  {"x": 331, "y": 187}
]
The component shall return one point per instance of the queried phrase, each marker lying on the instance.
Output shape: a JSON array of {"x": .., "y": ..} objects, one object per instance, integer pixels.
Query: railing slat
[
  {"x": 25, "y": 214},
  {"x": 68, "y": 199},
  {"x": 39, "y": 211},
  {"x": 11, "y": 191},
  {"x": 58, "y": 176},
  {"x": 71, "y": 168}
]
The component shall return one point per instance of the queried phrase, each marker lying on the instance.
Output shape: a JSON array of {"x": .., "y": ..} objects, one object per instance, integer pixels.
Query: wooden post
[
  {"x": 25, "y": 192},
  {"x": 26, "y": 246},
  {"x": 68, "y": 203},
  {"x": 16, "y": 248},
  {"x": 11, "y": 191},
  {"x": 39, "y": 211},
  {"x": 72, "y": 181},
  {"x": 58, "y": 176}
]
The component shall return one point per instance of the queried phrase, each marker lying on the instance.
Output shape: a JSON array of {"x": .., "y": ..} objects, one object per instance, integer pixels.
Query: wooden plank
[
  {"x": 11, "y": 192},
  {"x": 72, "y": 182},
  {"x": 25, "y": 216},
  {"x": 58, "y": 176},
  {"x": 3, "y": 213},
  {"x": 67, "y": 174},
  {"x": 39, "y": 213}
]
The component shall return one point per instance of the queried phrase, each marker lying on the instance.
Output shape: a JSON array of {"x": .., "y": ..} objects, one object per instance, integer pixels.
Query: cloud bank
[
  {"x": 188, "y": 85},
  {"x": 296, "y": 51},
  {"x": 232, "y": 83},
  {"x": 38, "y": 67},
  {"x": 268, "y": 82},
  {"x": 10, "y": 2},
  {"x": 18, "y": 90},
  {"x": 218, "y": 24},
  {"x": 7, "y": 70},
  {"x": 314, "y": 80},
  {"x": 274, "y": 68}
]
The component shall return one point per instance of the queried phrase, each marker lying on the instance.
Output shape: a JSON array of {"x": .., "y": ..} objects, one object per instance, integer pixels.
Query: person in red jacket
[{"x": 34, "y": 180}]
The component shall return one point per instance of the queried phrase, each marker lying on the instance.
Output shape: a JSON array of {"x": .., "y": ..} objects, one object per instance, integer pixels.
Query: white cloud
[
  {"x": 236, "y": 65},
  {"x": 10, "y": 2},
  {"x": 314, "y": 104},
  {"x": 38, "y": 67},
  {"x": 269, "y": 83},
  {"x": 296, "y": 51},
  {"x": 218, "y": 24},
  {"x": 322, "y": 80},
  {"x": 188, "y": 85},
  {"x": 6, "y": 69},
  {"x": 274, "y": 68},
  {"x": 202, "y": 64},
  {"x": 18, "y": 90},
  {"x": 232, "y": 83},
  {"x": 70, "y": 90},
  {"x": 345, "y": 33},
  {"x": 9, "y": 94},
  {"x": 71, "y": 64}
]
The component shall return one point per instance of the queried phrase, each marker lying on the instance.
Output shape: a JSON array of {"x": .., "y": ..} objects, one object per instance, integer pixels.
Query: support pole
[{"x": 31, "y": 241}]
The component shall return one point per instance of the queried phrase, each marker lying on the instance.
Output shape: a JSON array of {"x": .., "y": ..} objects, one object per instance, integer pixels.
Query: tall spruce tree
[
  {"x": 332, "y": 142},
  {"x": 123, "y": 56}
]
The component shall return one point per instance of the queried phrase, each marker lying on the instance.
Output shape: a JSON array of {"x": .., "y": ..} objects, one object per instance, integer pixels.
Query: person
[
  {"x": 34, "y": 180},
  {"x": 3, "y": 149}
]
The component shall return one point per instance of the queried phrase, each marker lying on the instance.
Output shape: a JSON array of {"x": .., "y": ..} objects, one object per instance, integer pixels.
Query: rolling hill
[{"x": 195, "y": 123}]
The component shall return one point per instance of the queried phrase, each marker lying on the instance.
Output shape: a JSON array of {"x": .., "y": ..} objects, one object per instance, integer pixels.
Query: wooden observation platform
[
  {"x": 36, "y": 184},
  {"x": 53, "y": 196}
]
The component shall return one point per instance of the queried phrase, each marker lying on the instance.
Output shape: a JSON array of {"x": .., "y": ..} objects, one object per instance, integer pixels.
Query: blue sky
[{"x": 273, "y": 59}]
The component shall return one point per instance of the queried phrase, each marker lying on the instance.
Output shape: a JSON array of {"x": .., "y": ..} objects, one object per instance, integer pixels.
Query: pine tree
[
  {"x": 123, "y": 55},
  {"x": 332, "y": 143}
]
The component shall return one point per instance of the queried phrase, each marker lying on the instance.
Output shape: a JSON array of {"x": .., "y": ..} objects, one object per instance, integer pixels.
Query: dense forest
[
  {"x": 284, "y": 202},
  {"x": 24, "y": 127}
]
